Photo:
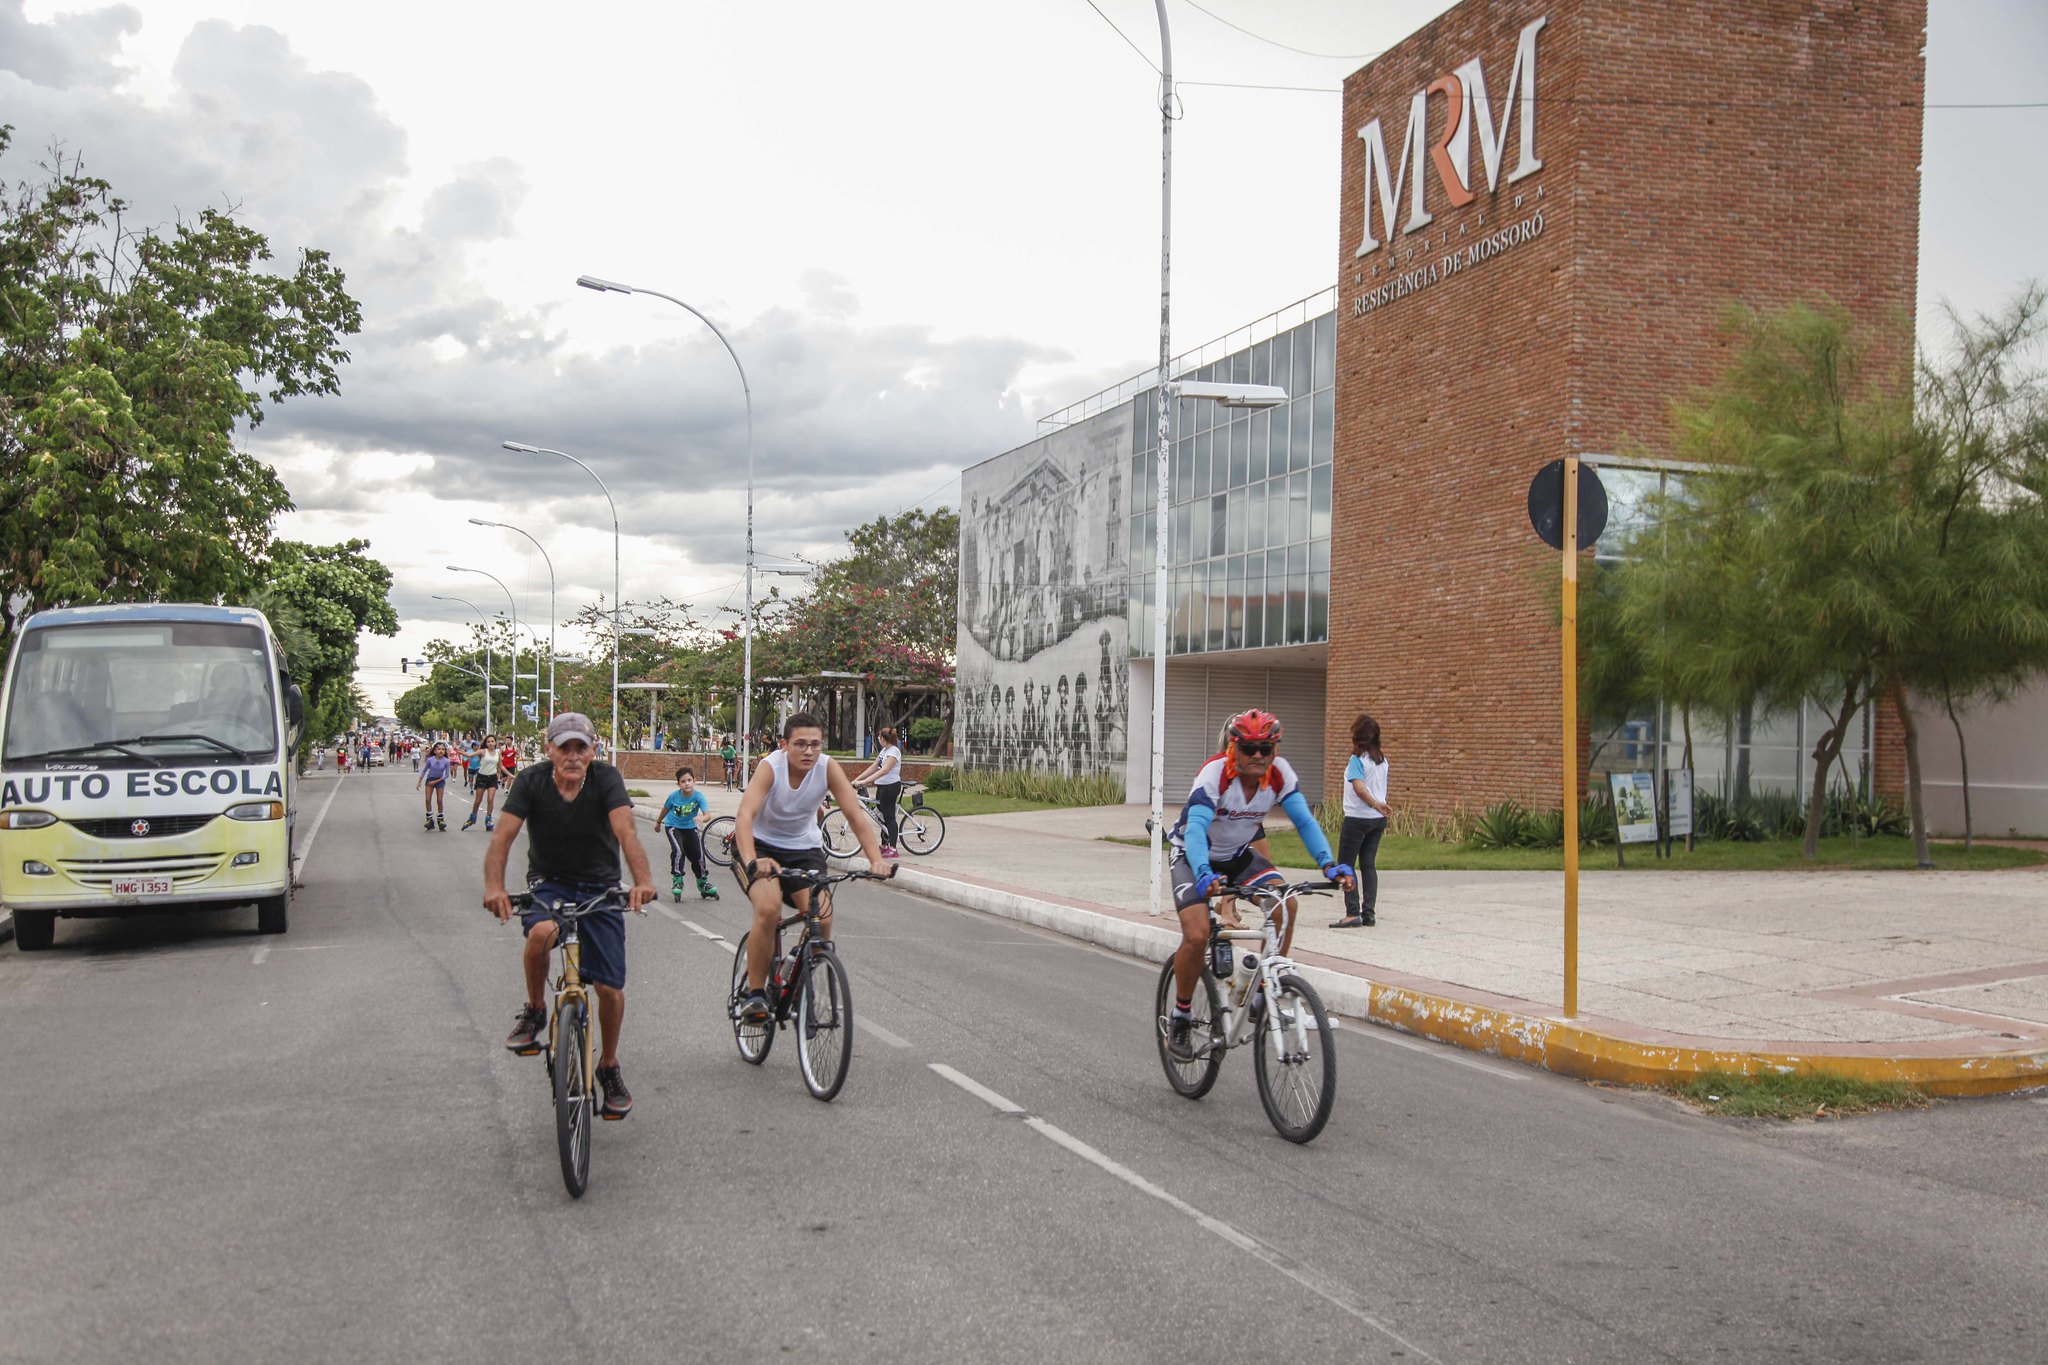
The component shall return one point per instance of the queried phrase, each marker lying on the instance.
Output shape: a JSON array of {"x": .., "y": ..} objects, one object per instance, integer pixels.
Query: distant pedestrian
[
  {"x": 886, "y": 772},
  {"x": 1365, "y": 821}
]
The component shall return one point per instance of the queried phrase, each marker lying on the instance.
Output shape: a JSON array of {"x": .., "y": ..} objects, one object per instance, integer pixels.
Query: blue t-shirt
[
  {"x": 681, "y": 812},
  {"x": 437, "y": 769}
]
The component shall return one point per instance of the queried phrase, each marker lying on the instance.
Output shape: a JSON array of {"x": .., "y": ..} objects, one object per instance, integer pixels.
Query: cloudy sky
[{"x": 923, "y": 223}]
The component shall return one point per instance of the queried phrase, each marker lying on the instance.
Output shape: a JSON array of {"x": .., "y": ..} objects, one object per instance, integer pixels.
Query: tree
[
  {"x": 910, "y": 561},
  {"x": 128, "y": 362}
]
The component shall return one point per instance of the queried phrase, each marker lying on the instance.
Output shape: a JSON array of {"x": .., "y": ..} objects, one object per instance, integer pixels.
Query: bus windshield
[{"x": 143, "y": 691}]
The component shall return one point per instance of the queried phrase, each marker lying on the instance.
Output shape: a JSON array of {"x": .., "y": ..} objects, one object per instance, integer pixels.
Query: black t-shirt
[{"x": 569, "y": 841}]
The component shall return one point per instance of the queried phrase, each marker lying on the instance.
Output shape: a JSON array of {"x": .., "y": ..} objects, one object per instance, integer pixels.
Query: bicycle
[
  {"x": 1295, "y": 1063},
  {"x": 809, "y": 983},
  {"x": 571, "y": 1050},
  {"x": 919, "y": 828},
  {"x": 718, "y": 836}
]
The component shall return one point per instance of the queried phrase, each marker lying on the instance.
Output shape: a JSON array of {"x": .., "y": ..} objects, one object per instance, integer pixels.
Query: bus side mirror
[{"x": 295, "y": 706}]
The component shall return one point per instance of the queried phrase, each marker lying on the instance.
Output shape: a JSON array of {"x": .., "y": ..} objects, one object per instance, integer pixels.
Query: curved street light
[
  {"x": 512, "y": 602},
  {"x": 487, "y": 650},
  {"x": 746, "y": 390},
  {"x": 526, "y": 449},
  {"x": 552, "y": 610}
]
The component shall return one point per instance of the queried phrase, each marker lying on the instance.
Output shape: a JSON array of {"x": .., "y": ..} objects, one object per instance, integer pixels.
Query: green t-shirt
[{"x": 727, "y": 752}]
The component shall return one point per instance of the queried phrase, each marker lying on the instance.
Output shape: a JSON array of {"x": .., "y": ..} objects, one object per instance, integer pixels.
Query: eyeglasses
[
  {"x": 807, "y": 745},
  {"x": 1255, "y": 750}
]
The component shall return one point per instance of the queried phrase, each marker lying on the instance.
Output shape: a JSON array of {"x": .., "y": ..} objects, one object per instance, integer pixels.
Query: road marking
[
  {"x": 1438, "y": 1051},
  {"x": 262, "y": 951},
  {"x": 978, "y": 1090},
  {"x": 306, "y": 851},
  {"x": 699, "y": 930},
  {"x": 1324, "y": 1288},
  {"x": 867, "y": 1025}
]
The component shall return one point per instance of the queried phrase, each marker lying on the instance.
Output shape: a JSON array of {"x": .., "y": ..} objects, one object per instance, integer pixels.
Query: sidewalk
[{"x": 1940, "y": 981}]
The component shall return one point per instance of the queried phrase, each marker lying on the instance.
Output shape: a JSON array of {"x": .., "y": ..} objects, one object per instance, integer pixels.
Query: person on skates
[
  {"x": 434, "y": 778},
  {"x": 679, "y": 822}
]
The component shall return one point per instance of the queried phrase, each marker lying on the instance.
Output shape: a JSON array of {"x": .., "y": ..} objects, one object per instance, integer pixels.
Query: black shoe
[
  {"x": 1350, "y": 922},
  {"x": 754, "y": 1009},
  {"x": 1370, "y": 919},
  {"x": 618, "y": 1101},
  {"x": 1180, "y": 1037},
  {"x": 531, "y": 1022}
]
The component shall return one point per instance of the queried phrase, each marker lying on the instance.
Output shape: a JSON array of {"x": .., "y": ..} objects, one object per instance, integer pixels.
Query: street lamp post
[
  {"x": 522, "y": 447},
  {"x": 514, "y": 604},
  {"x": 747, "y": 392},
  {"x": 552, "y": 611},
  {"x": 487, "y": 650}
]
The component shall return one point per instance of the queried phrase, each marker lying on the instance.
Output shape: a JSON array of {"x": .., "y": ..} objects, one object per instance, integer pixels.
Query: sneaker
[
  {"x": 754, "y": 1009},
  {"x": 888, "y": 852},
  {"x": 527, "y": 1028},
  {"x": 618, "y": 1101},
  {"x": 1180, "y": 1037},
  {"x": 704, "y": 889}
]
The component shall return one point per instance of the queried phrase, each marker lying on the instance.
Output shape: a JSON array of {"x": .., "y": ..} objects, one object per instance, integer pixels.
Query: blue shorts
[{"x": 602, "y": 933}]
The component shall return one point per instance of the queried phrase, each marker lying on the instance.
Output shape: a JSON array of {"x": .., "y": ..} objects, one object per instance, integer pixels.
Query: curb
[{"x": 1566, "y": 1047}]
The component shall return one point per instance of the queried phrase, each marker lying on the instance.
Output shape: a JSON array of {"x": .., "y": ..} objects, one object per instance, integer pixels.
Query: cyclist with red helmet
[{"x": 1213, "y": 843}]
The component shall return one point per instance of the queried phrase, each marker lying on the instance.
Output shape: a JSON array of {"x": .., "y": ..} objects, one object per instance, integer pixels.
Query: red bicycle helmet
[{"x": 1257, "y": 726}]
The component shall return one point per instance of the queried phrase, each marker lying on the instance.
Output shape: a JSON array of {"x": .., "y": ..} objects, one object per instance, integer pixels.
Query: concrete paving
[{"x": 1798, "y": 957}]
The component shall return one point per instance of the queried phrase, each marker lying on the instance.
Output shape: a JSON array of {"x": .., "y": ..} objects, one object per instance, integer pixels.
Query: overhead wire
[
  {"x": 1288, "y": 47},
  {"x": 1144, "y": 55}
]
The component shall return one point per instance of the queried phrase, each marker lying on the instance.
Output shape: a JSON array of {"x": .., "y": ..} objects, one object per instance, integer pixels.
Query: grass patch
[
  {"x": 1412, "y": 853},
  {"x": 952, "y": 803},
  {"x": 1775, "y": 1095},
  {"x": 636, "y": 791}
]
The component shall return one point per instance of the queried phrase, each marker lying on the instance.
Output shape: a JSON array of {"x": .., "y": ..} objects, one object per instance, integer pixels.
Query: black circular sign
[{"x": 1546, "y": 505}]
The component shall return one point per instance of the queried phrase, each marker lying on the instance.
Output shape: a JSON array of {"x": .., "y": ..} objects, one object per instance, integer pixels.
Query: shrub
[
  {"x": 1596, "y": 822},
  {"x": 1500, "y": 826},
  {"x": 1045, "y": 786},
  {"x": 1544, "y": 831},
  {"x": 939, "y": 779},
  {"x": 925, "y": 732},
  {"x": 1454, "y": 828}
]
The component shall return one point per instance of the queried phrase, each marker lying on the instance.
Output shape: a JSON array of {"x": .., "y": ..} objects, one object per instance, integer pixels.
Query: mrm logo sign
[{"x": 1468, "y": 114}]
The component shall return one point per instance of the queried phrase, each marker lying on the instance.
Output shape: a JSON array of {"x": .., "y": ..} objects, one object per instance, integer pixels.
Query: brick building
[{"x": 1546, "y": 207}]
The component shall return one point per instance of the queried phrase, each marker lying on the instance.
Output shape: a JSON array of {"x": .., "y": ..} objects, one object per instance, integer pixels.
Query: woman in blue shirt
[
  {"x": 1365, "y": 820},
  {"x": 434, "y": 777},
  {"x": 679, "y": 822}
]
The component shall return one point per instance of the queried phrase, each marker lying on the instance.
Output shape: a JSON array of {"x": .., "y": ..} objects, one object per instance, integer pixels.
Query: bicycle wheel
[
  {"x": 1296, "y": 1064},
  {"x": 824, "y": 1024},
  {"x": 838, "y": 831},
  {"x": 574, "y": 1105},
  {"x": 718, "y": 840},
  {"x": 753, "y": 1040},
  {"x": 1192, "y": 1079},
  {"x": 919, "y": 829}
]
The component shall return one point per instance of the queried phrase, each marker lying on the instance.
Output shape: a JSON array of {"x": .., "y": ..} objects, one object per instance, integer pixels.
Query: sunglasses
[{"x": 1256, "y": 750}]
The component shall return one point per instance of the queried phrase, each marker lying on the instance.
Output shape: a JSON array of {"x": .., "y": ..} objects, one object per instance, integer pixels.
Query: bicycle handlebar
[
  {"x": 816, "y": 878},
  {"x": 1314, "y": 887},
  {"x": 612, "y": 897}
]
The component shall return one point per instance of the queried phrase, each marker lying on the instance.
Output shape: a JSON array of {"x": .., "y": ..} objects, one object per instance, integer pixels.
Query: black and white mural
[{"x": 1044, "y": 677}]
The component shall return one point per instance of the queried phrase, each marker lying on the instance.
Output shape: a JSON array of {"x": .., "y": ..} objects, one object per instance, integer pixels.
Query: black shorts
[
  {"x": 486, "y": 781},
  {"x": 1247, "y": 867},
  {"x": 805, "y": 859}
]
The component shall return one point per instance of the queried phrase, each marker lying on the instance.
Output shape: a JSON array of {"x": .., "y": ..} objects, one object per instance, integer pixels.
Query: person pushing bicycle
[
  {"x": 579, "y": 820},
  {"x": 777, "y": 828},
  {"x": 1213, "y": 844}
]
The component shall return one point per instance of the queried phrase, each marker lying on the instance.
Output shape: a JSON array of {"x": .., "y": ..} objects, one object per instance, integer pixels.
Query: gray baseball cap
[{"x": 571, "y": 725}]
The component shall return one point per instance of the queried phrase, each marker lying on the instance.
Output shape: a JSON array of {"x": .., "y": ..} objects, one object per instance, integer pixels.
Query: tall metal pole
[
  {"x": 747, "y": 392},
  {"x": 1162, "y": 466},
  {"x": 545, "y": 450},
  {"x": 487, "y": 651},
  {"x": 552, "y": 612},
  {"x": 1571, "y": 738},
  {"x": 512, "y": 685}
]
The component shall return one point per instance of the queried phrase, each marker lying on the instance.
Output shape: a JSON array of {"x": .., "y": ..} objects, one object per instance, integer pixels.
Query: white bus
[{"x": 146, "y": 764}]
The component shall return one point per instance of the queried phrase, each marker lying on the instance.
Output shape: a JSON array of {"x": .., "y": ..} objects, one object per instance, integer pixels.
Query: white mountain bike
[{"x": 1251, "y": 994}]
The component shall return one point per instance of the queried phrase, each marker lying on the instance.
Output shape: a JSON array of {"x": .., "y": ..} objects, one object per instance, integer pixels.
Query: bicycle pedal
[
  {"x": 609, "y": 1117},
  {"x": 527, "y": 1051}
]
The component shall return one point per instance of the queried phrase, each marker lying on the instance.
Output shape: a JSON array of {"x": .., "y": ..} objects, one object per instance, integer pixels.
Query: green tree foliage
[
  {"x": 1836, "y": 545},
  {"x": 128, "y": 361},
  {"x": 320, "y": 598},
  {"x": 900, "y": 575}
]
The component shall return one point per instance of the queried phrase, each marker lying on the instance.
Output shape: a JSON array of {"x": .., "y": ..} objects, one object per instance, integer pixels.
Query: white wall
[
  {"x": 2008, "y": 747},
  {"x": 1138, "y": 769}
]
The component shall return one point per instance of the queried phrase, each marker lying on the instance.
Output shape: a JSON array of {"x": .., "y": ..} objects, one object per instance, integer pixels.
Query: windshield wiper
[
  {"x": 119, "y": 746},
  {"x": 220, "y": 744}
]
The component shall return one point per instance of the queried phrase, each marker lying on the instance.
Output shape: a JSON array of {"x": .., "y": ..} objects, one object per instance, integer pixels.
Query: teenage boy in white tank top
[{"x": 778, "y": 828}]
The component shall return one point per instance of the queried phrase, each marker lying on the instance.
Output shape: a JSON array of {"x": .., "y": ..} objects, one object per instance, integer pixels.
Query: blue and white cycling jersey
[{"x": 1219, "y": 822}]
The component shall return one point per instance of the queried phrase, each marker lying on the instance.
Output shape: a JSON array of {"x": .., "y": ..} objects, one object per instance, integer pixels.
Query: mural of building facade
[{"x": 1043, "y": 678}]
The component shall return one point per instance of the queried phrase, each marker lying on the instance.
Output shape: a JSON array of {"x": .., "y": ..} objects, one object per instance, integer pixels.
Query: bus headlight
[
  {"x": 36, "y": 869},
  {"x": 245, "y": 860},
  {"x": 26, "y": 819},
  {"x": 257, "y": 810}
]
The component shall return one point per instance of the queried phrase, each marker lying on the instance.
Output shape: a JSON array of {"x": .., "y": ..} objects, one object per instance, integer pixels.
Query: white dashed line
[
  {"x": 1331, "y": 1291},
  {"x": 868, "y": 1026},
  {"x": 978, "y": 1090},
  {"x": 306, "y": 849},
  {"x": 262, "y": 951},
  {"x": 699, "y": 930},
  {"x": 1440, "y": 1051}
]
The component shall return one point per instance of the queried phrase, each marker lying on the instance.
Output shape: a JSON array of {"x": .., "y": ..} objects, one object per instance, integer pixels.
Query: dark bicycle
[
  {"x": 571, "y": 1047},
  {"x": 807, "y": 988}
]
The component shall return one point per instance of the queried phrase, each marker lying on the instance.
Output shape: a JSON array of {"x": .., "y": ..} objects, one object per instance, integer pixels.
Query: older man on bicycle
[
  {"x": 578, "y": 819},
  {"x": 1213, "y": 845}
]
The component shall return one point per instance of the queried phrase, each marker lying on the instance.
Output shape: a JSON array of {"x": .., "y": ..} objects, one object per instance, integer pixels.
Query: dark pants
[
  {"x": 1358, "y": 844},
  {"x": 885, "y": 797},
  {"x": 684, "y": 847}
]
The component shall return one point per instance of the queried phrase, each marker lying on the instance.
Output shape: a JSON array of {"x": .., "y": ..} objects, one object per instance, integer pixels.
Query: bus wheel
[
  {"x": 34, "y": 930},
  {"x": 272, "y": 914}
]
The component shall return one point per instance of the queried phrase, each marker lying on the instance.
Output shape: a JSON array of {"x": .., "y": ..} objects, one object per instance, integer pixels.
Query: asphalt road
[{"x": 222, "y": 1147}]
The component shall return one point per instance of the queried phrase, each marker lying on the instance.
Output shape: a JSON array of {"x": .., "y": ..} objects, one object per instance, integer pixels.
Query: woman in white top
[
  {"x": 777, "y": 828},
  {"x": 1365, "y": 820},
  {"x": 886, "y": 772}
]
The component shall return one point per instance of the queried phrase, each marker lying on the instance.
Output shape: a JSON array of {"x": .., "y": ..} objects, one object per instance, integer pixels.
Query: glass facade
[{"x": 1248, "y": 535}]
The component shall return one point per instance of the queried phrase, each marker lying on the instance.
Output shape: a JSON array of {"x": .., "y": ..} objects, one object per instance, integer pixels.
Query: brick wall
[{"x": 1752, "y": 151}]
